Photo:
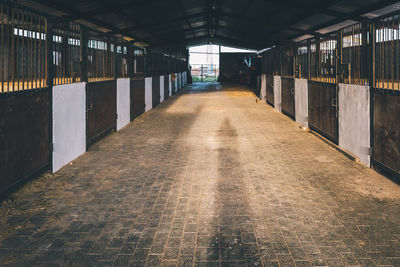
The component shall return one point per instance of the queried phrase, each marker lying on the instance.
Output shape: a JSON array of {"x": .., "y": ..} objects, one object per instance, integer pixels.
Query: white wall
[
  {"x": 277, "y": 93},
  {"x": 301, "y": 101},
  {"x": 123, "y": 102},
  {"x": 170, "y": 85},
  {"x": 69, "y": 123},
  {"x": 148, "y": 93},
  {"x": 354, "y": 120},
  {"x": 263, "y": 91},
  {"x": 161, "y": 89}
]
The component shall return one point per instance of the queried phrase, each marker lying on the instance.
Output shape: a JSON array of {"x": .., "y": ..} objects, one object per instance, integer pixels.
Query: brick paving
[{"x": 208, "y": 178}]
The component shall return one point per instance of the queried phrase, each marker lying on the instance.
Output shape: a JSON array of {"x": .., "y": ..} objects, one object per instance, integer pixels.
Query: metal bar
[{"x": 372, "y": 84}]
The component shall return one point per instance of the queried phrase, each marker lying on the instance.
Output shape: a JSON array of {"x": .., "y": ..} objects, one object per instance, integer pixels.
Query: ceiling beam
[
  {"x": 67, "y": 9},
  {"x": 358, "y": 13},
  {"x": 182, "y": 8},
  {"x": 160, "y": 23},
  {"x": 106, "y": 8}
]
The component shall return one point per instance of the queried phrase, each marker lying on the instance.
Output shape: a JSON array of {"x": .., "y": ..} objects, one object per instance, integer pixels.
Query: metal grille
[
  {"x": 387, "y": 53},
  {"x": 301, "y": 67},
  {"x": 66, "y": 52},
  {"x": 122, "y": 60},
  {"x": 101, "y": 57},
  {"x": 23, "y": 50},
  {"x": 323, "y": 58},
  {"x": 138, "y": 67},
  {"x": 272, "y": 62},
  {"x": 287, "y": 61},
  {"x": 354, "y": 67}
]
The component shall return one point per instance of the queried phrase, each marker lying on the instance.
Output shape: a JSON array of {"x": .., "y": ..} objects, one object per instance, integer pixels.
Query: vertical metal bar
[
  {"x": 339, "y": 56},
  {"x": 41, "y": 63},
  {"x": 13, "y": 54},
  {"x": 2, "y": 48},
  {"x": 84, "y": 54},
  {"x": 49, "y": 79},
  {"x": 17, "y": 47},
  {"x": 317, "y": 57},
  {"x": 372, "y": 84},
  {"x": 23, "y": 51},
  {"x": 49, "y": 52},
  {"x": 30, "y": 76}
]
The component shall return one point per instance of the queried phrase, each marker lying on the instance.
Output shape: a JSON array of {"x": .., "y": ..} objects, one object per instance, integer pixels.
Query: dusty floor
[{"x": 206, "y": 178}]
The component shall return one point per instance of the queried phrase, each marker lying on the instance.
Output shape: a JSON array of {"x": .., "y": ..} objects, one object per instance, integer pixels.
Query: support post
[
  {"x": 84, "y": 54},
  {"x": 309, "y": 59},
  {"x": 49, "y": 81},
  {"x": 372, "y": 82}
]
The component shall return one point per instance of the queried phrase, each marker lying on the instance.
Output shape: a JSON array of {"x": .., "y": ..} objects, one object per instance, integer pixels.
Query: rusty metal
[
  {"x": 301, "y": 60},
  {"x": 100, "y": 57},
  {"x": 23, "y": 52},
  {"x": 324, "y": 58},
  {"x": 66, "y": 52},
  {"x": 354, "y": 55},
  {"x": 387, "y": 53}
]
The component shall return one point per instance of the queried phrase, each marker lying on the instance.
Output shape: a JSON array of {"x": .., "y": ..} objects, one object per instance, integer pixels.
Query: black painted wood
[
  {"x": 387, "y": 130},
  {"x": 101, "y": 109},
  {"x": 322, "y": 110},
  {"x": 137, "y": 97},
  {"x": 24, "y": 136},
  {"x": 287, "y": 94},
  {"x": 270, "y": 89},
  {"x": 156, "y": 90}
]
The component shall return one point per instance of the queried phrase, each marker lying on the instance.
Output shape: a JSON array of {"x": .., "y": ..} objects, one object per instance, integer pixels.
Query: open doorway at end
[{"x": 210, "y": 63}]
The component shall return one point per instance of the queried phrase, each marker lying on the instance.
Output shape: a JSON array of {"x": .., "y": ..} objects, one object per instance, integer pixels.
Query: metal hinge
[
  {"x": 371, "y": 151},
  {"x": 51, "y": 146},
  {"x": 116, "y": 116}
]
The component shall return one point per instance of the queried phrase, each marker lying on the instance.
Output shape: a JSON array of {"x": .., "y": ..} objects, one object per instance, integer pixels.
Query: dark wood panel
[
  {"x": 257, "y": 90},
  {"x": 166, "y": 87},
  {"x": 322, "y": 109},
  {"x": 270, "y": 89},
  {"x": 137, "y": 97},
  {"x": 24, "y": 136},
  {"x": 101, "y": 109},
  {"x": 288, "y": 106},
  {"x": 387, "y": 130},
  {"x": 156, "y": 90}
]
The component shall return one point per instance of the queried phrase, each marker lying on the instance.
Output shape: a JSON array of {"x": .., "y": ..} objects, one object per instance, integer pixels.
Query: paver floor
[{"x": 207, "y": 178}]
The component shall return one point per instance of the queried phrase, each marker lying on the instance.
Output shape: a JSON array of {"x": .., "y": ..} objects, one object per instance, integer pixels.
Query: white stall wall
[
  {"x": 263, "y": 92},
  {"x": 148, "y": 93},
  {"x": 170, "y": 85},
  {"x": 354, "y": 120},
  {"x": 301, "y": 101},
  {"x": 277, "y": 93},
  {"x": 123, "y": 102},
  {"x": 161, "y": 89},
  {"x": 69, "y": 123}
]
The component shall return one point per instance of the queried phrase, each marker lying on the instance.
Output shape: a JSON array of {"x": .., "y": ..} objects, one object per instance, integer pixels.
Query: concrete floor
[{"x": 206, "y": 178}]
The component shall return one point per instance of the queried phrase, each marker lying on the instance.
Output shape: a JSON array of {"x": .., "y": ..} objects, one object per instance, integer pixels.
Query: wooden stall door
[{"x": 101, "y": 109}]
